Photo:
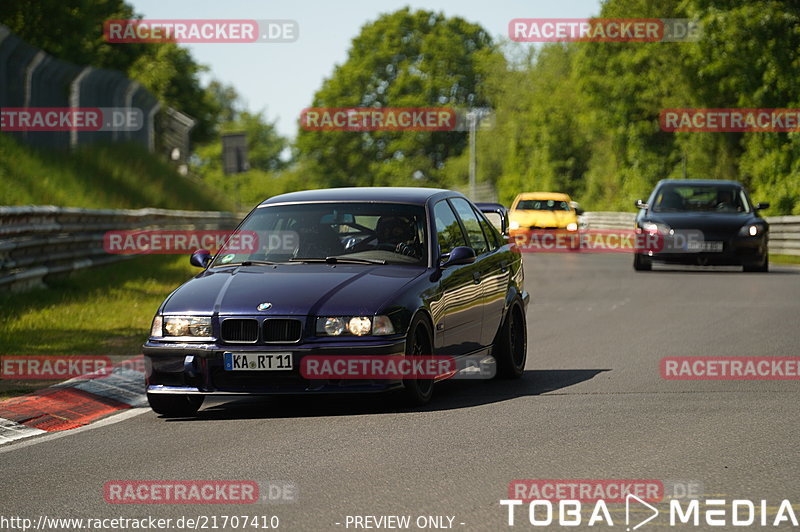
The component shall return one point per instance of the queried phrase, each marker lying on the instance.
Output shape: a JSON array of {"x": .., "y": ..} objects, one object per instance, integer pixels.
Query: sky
[{"x": 281, "y": 78}]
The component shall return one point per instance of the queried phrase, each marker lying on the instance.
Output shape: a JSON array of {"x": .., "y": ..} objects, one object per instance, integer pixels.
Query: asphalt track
[{"x": 591, "y": 405}]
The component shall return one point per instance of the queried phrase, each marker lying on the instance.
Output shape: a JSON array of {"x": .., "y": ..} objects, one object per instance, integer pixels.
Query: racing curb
[{"x": 73, "y": 403}]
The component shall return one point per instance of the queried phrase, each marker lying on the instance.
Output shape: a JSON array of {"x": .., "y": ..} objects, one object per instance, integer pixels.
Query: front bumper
[
  {"x": 739, "y": 251},
  {"x": 173, "y": 368}
]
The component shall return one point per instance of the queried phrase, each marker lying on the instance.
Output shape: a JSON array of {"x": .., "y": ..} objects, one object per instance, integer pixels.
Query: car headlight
[
  {"x": 354, "y": 325},
  {"x": 751, "y": 230},
  {"x": 181, "y": 326},
  {"x": 651, "y": 227},
  {"x": 572, "y": 226},
  {"x": 513, "y": 224},
  {"x": 359, "y": 325}
]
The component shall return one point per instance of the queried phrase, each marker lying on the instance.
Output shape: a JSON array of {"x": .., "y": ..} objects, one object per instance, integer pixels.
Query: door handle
[{"x": 476, "y": 276}]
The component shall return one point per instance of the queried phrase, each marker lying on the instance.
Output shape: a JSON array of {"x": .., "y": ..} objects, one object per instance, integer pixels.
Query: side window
[
  {"x": 474, "y": 232},
  {"x": 489, "y": 232},
  {"x": 448, "y": 231}
]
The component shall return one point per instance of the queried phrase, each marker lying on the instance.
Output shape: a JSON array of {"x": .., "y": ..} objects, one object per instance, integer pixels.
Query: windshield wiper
[
  {"x": 248, "y": 263},
  {"x": 340, "y": 260}
]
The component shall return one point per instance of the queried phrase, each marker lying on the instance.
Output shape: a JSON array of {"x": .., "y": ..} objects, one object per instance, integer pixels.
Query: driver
[
  {"x": 725, "y": 199},
  {"x": 397, "y": 234}
]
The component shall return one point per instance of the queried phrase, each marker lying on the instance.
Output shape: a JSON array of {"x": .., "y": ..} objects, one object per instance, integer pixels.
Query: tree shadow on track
[{"x": 448, "y": 395}]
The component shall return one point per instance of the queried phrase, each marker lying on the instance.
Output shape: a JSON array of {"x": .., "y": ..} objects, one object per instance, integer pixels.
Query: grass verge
[
  {"x": 103, "y": 176},
  {"x": 784, "y": 259},
  {"x": 100, "y": 311}
]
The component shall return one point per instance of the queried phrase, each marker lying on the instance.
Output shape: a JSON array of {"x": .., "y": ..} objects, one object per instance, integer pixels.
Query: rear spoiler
[{"x": 495, "y": 213}]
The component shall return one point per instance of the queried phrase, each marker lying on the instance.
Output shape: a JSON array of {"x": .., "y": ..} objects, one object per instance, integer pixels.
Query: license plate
[
  {"x": 707, "y": 245},
  {"x": 257, "y": 361}
]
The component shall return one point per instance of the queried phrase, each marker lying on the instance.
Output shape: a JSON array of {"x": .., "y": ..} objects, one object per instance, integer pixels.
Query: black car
[
  {"x": 368, "y": 271},
  {"x": 703, "y": 222}
]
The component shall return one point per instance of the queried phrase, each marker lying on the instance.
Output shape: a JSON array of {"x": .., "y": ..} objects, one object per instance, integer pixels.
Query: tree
[{"x": 403, "y": 59}]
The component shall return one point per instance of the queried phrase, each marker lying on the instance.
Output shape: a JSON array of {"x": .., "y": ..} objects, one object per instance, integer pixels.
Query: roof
[
  {"x": 417, "y": 195},
  {"x": 559, "y": 196},
  {"x": 700, "y": 182}
]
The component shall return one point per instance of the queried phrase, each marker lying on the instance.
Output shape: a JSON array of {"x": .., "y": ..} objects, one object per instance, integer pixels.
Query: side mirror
[
  {"x": 200, "y": 258},
  {"x": 639, "y": 204},
  {"x": 459, "y": 255},
  {"x": 496, "y": 214},
  {"x": 576, "y": 207},
  {"x": 762, "y": 205}
]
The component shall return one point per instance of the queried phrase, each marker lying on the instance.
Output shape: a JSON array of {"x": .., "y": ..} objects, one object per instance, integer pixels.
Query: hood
[
  {"x": 292, "y": 289},
  {"x": 543, "y": 218}
]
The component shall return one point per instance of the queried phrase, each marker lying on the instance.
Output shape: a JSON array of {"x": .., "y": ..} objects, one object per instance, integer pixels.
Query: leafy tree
[{"x": 403, "y": 59}]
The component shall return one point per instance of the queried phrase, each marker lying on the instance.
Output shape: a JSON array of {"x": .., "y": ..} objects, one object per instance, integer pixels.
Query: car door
[
  {"x": 491, "y": 268},
  {"x": 456, "y": 307}
]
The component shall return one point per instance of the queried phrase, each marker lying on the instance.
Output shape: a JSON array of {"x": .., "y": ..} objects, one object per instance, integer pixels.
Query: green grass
[
  {"x": 784, "y": 259},
  {"x": 101, "y": 311},
  {"x": 105, "y": 176}
]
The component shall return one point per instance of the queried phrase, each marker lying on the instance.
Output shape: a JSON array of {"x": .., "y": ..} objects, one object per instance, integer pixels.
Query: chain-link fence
[{"x": 32, "y": 79}]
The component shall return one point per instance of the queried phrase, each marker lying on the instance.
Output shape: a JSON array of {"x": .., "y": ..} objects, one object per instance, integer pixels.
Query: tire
[
  {"x": 510, "y": 348},
  {"x": 417, "y": 392},
  {"x": 763, "y": 267},
  {"x": 175, "y": 405},
  {"x": 642, "y": 264}
]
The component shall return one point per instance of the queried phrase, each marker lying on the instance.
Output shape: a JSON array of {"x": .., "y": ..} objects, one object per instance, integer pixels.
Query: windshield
[
  {"x": 542, "y": 205},
  {"x": 701, "y": 198},
  {"x": 380, "y": 233}
]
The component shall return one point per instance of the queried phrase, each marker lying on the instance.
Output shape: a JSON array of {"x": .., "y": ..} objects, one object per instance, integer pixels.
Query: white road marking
[{"x": 115, "y": 418}]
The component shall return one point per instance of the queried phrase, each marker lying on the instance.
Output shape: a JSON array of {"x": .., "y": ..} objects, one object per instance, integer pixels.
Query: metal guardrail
[
  {"x": 38, "y": 243},
  {"x": 784, "y": 231}
]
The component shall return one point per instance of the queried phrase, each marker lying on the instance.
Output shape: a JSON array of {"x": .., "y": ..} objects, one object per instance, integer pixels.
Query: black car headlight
[
  {"x": 354, "y": 325},
  {"x": 751, "y": 230},
  {"x": 190, "y": 327}
]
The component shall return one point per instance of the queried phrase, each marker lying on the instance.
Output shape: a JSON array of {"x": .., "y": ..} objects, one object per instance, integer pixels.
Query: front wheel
[
  {"x": 510, "y": 348},
  {"x": 417, "y": 392},
  {"x": 763, "y": 267},
  {"x": 641, "y": 263},
  {"x": 175, "y": 405}
]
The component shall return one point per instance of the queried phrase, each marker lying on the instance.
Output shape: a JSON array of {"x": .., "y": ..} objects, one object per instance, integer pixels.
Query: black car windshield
[
  {"x": 542, "y": 205},
  {"x": 700, "y": 198},
  {"x": 341, "y": 232}
]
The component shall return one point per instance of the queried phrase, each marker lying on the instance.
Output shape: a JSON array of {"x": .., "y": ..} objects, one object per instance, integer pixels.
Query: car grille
[
  {"x": 243, "y": 331},
  {"x": 282, "y": 330}
]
